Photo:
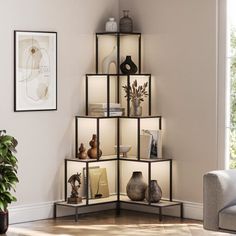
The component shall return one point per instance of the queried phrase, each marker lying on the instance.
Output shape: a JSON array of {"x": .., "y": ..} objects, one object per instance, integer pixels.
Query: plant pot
[
  {"x": 3, "y": 222},
  {"x": 136, "y": 187}
]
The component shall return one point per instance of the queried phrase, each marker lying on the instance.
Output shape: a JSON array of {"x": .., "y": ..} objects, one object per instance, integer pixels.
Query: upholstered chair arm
[{"x": 219, "y": 191}]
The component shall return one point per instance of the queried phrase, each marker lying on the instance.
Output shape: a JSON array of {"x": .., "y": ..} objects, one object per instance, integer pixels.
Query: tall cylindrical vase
[
  {"x": 135, "y": 108},
  {"x": 136, "y": 187}
]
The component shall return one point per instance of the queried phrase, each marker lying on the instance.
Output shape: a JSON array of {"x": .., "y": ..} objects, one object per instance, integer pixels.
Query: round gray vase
[
  {"x": 153, "y": 192},
  {"x": 136, "y": 187}
]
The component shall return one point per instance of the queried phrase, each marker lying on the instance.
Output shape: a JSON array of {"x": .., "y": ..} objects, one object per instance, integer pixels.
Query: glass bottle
[{"x": 126, "y": 23}]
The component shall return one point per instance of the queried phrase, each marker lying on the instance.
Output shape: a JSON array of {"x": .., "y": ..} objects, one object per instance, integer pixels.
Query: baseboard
[
  {"x": 30, "y": 212},
  {"x": 38, "y": 211},
  {"x": 193, "y": 210}
]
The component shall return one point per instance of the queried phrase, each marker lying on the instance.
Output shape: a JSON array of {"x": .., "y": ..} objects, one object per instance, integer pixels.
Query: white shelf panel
[
  {"x": 111, "y": 198},
  {"x": 162, "y": 203}
]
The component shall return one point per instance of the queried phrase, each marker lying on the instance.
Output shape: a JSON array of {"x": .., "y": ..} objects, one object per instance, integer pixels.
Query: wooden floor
[{"x": 107, "y": 223}]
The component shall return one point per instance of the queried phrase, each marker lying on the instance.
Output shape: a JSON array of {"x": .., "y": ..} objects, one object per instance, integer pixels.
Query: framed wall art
[{"x": 35, "y": 71}]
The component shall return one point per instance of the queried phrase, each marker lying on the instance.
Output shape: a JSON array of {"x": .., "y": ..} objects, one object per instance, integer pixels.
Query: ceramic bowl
[{"x": 124, "y": 149}]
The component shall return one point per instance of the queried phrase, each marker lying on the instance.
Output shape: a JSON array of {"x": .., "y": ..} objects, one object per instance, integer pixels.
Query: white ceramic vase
[
  {"x": 111, "y": 25},
  {"x": 111, "y": 58}
]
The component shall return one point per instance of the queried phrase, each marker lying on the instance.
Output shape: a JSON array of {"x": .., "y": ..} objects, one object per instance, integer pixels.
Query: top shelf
[{"x": 118, "y": 33}]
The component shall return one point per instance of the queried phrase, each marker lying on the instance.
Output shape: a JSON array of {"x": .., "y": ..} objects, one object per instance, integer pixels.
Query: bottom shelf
[
  {"x": 162, "y": 203},
  {"x": 123, "y": 198},
  {"x": 110, "y": 199}
]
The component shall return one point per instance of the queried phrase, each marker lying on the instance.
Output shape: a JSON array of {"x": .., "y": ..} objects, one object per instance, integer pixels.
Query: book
[
  {"x": 118, "y": 113},
  {"x": 98, "y": 183},
  {"x": 156, "y": 147},
  {"x": 85, "y": 180},
  {"x": 104, "y": 105},
  {"x": 105, "y": 109},
  {"x": 145, "y": 146}
]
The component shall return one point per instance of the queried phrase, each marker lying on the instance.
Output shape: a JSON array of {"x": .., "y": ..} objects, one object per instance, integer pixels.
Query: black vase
[
  {"x": 128, "y": 67},
  {"x": 3, "y": 222}
]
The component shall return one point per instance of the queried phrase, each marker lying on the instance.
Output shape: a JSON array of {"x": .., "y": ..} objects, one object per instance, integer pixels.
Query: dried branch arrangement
[{"x": 136, "y": 92}]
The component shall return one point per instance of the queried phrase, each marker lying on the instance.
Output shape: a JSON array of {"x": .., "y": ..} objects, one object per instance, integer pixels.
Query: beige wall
[
  {"x": 179, "y": 49},
  {"x": 179, "y": 46},
  {"x": 46, "y": 138}
]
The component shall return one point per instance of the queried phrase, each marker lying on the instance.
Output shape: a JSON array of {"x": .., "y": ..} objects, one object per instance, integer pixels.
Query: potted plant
[
  {"x": 136, "y": 94},
  {"x": 8, "y": 176}
]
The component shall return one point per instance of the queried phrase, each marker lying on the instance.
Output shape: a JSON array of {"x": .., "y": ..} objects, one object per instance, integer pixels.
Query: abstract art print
[{"x": 35, "y": 71}]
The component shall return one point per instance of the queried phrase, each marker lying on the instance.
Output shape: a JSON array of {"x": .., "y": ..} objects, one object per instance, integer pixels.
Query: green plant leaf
[{"x": 8, "y": 169}]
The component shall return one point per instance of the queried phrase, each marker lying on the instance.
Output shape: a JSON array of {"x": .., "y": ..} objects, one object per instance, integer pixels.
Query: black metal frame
[
  {"x": 15, "y": 69},
  {"x": 149, "y": 162},
  {"x": 108, "y": 76},
  {"x": 117, "y": 158},
  {"x": 118, "y": 35}
]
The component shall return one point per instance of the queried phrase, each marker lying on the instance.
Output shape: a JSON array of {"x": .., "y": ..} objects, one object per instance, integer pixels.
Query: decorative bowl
[{"x": 124, "y": 149}]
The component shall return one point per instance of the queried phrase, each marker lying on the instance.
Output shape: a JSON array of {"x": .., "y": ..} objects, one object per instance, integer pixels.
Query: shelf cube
[
  {"x": 117, "y": 46},
  {"x": 104, "y": 128},
  {"x": 109, "y": 89},
  {"x": 142, "y": 134}
]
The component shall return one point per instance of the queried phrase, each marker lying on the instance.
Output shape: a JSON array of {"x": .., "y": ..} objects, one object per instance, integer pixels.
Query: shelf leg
[
  {"x": 55, "y": 211},
  {"x": 76, "y": 214},
  {"x": 160, "y": 214},
  {"x": 181, "y": 211},
  {"x": 117, "y": 209}
]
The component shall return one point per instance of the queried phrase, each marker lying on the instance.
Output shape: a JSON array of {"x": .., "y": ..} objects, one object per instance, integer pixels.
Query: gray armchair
[{"x": 219, "y": 200}]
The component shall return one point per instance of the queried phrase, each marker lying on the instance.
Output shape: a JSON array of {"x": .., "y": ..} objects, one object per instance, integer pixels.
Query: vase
[
  {"x": 153, "y": 192},
  {"x": 92, "y": 152},
  {"x": 4, "y": 222},
  {"x": 136, "y": 187},
  {"x": 135, "y": 108},
  {"x": 128, "y": 67},
  {"x": 126, "y": 23},
  {"x": 111, "y": 25},
  {"x": 82, "y": 152},
  {"x": 108, "y": 60}
]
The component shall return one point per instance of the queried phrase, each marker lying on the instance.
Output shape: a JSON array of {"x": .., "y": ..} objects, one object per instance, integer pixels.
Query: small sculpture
[
  {"x": 92, "y": 152},
  {"x": 108, "y": 60},
  {"x": 82, "y": 152},
  {"x": 75, "y": 181}
]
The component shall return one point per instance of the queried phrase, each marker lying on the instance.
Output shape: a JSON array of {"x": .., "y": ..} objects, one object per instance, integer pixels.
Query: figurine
[
  {"x": 92, "y": 152},
  {"x": 82, "y": 152},
  {"x": 74, "y": 197}
]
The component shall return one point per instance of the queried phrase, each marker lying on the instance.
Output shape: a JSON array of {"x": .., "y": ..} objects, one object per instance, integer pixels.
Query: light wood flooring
[{"x": 107, "y": 223}]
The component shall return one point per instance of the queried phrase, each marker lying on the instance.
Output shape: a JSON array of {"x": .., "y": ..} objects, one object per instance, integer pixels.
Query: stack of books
[{"x": 100, "y": 109}]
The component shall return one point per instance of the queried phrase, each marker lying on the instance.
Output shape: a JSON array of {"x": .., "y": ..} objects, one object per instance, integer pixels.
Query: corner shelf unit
[{"x": 116, "y": 133}]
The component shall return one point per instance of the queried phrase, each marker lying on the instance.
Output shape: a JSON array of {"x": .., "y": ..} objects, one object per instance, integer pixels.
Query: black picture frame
[{"x": 35, "y": 71}]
